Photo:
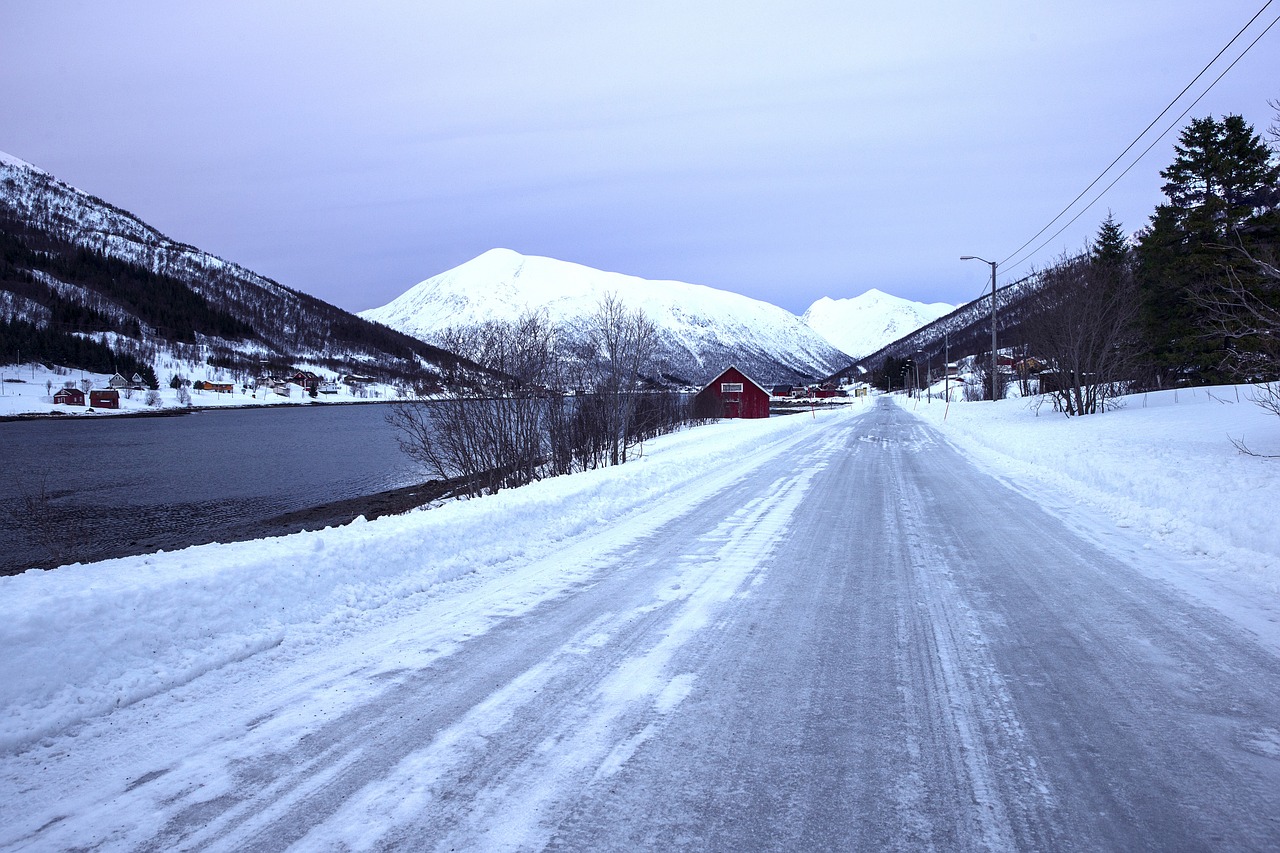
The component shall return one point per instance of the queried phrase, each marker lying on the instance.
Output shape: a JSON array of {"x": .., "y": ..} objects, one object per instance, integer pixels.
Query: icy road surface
[{"x": 861, "y": 642}]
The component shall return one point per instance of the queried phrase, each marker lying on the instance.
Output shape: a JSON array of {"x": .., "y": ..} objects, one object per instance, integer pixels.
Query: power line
[
  {"x": 1144, "y": 153},
  {"x": 1137, "y": 138}
]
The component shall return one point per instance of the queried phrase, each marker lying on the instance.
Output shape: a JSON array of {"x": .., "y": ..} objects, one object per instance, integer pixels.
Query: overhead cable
[{"x": 1145, "y": 130}]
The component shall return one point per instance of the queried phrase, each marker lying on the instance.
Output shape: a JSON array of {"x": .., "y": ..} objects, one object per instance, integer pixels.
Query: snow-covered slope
[
  {"x": 863, "y": 324},
  {"x": 41, "y": 200},
  {"x": 701, "y": 329},
  {"x": 52, "y": 220}
]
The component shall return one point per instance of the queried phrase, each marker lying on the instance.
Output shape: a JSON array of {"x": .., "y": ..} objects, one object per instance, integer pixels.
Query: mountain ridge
[
  {"x": 73, "y": 249},
  {"x": 863, "y": 324},
  {"x": 701, "y": 329}
]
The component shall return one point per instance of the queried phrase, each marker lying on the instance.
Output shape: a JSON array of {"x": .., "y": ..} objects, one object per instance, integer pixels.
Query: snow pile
[
  {"x": 1163, "y": 464},
  {"x": 85, "y": 639},
  {"x": 863, "y": 324}
]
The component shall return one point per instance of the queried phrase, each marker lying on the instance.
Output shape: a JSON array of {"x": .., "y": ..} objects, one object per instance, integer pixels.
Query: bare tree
[
  {"x": 624, "y": 342},
  {"x": 1243, "y": 309},
  {"x": 1082, "y": 321},
  {"x": 523, "y": 425},
  {"x": 490, "y": 438},
  {"x": 48, "y": 525},
  {"x": 1245, "y": 313}
]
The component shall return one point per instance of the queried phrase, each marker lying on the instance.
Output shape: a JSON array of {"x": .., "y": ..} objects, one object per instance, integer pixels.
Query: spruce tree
[
  {"x": 1220, "y": 189},
  {"x": 1109, "y": 249}
]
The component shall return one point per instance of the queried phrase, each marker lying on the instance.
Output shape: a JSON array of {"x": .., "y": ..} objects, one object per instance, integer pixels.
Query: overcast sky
[{"x": 785, "y": 150}]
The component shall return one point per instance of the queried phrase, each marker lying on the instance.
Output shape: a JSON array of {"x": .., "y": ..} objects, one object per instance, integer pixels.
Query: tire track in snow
[
  {"x": 960, "y": 711},
  {"x": 534, "y": 753}
]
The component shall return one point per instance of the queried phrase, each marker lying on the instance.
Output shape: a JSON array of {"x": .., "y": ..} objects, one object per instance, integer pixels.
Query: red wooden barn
[
  {"x": 104, "y": 398},
  {"x": 732, "y": 394},
  {"x": 68, "y": 397}
]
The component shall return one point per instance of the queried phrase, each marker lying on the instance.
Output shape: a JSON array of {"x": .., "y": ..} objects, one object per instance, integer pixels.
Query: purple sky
[{"x": 786, "y": 151}]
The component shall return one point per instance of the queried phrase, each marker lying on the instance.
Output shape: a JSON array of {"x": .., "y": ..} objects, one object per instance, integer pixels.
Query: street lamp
[
  {"x": 920, "y": 388},
  {"x": 995, "y": 374}
]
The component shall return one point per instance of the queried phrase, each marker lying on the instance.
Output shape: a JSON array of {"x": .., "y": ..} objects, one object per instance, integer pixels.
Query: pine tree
[
  {"x": 1221, "y": 191},
  {"x": 1109, "y": 249},
  {"x": 1220, "y": 178}
]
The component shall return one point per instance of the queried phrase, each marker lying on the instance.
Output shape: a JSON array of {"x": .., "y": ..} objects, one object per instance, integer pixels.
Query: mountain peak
[
  {"x": 867, "y": 322},
  {"x": 701, "y": 329}
]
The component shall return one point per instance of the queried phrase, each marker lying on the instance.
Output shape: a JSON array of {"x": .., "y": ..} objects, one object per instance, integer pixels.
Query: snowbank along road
[{"x": 855, "y": 640}]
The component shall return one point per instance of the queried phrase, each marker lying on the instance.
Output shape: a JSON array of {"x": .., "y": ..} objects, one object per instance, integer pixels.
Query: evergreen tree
[
  {"x": 1221, "y": 177},
  {"x": 1221, "y": 191},
  {"x": 1109, "y": 249}
]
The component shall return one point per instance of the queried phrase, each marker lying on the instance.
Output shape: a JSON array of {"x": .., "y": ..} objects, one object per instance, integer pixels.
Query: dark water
[{"x": 88, "y": 489}]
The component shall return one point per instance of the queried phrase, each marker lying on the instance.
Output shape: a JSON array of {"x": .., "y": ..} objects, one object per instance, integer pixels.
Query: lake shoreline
[
  {"x": 332, "y": 514},
  {"x": 177, "y": 412}
]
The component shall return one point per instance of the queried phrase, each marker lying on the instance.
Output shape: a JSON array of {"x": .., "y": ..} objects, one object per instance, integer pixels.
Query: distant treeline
[{"x": 20, "y": 339}]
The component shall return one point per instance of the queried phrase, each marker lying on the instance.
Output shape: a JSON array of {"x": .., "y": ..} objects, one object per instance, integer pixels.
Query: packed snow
[
  {"x": 1164, "y": 464},
  {"x": 85, "y": 639}
]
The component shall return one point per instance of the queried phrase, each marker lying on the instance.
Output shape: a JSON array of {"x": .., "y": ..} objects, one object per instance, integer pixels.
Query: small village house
[
  {"x": 732, "y": 394},
  {"x": 104, "y": 398},
  {"x": 308, "y": 380},
  {"x": 70, "y": 396}
]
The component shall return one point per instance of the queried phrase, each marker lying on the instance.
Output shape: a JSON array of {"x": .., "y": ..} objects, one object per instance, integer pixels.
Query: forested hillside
[{"x": 85, "y": 284}]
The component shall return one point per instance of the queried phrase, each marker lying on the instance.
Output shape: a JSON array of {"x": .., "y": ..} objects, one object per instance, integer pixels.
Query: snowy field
[
  {"x": 28, "y": 389},
  {"x": 1162, "y": 464}
]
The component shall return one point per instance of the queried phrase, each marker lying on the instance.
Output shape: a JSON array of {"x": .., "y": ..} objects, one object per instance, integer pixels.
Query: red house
[
  {"x": 308, "y": 380},
  {"x": 68, "y": 397},
  {"x": 104, "y": 398},
  {"x": 732, "y": 394}
]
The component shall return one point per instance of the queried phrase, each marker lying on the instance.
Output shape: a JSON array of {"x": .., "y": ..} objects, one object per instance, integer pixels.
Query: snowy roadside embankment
[
  {"x": 84, "y": 639},
  {"x": 1163, "y": 464}
]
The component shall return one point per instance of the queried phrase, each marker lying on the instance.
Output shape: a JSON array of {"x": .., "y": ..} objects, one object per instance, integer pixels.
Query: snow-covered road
[{"x": 850, "y": 639}]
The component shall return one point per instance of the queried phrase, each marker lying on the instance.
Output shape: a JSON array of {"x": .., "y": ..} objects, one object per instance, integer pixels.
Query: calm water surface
[{"x": 119, "y": 485}]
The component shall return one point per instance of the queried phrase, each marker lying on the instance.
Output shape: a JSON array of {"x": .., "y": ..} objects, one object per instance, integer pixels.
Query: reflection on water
[{"x": 98, "y": 487}]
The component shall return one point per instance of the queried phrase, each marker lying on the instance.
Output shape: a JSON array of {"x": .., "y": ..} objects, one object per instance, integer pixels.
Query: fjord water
[{"x": 100, "y": 487}]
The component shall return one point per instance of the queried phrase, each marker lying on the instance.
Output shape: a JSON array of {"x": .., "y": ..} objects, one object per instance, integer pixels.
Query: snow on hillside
[
  {"x": 97, "y": 224},
  {"x": 701, "y": 329},
  {"x": 17, "y": 162},
  {"x": 863, "y": 324},
  {"x": 28, "y": 389}
]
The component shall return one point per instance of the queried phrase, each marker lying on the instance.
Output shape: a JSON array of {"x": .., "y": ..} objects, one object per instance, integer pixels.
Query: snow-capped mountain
[
  {"x": 700, "y": 329},
  {"x": 79, "y": 266},
  {"x": 863, "y": 324}
]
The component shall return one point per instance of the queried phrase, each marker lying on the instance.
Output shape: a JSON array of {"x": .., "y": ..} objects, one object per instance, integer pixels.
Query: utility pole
[
  {"x": 946, "y": 365},
  {"x": 995, "y": 371}
]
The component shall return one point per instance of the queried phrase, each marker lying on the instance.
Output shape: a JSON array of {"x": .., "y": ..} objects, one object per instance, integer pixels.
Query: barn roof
[{"x": 719, "y": 375}]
